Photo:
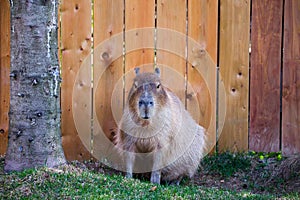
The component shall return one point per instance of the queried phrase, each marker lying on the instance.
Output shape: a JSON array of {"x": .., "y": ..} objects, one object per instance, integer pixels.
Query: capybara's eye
[{"x": 158, "y": 86}]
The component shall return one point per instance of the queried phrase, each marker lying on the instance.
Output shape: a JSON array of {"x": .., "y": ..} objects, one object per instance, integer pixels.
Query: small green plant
[{"x": 264, "y": 155}]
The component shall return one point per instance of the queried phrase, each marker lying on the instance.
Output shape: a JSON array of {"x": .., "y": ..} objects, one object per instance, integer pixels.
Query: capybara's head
[{"x": 146, "y": 97}]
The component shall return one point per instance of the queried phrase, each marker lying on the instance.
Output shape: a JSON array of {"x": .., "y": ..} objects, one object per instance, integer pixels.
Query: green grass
[
  {"x": 73, "y": 182},
  {"x": 56, "y": 184}
]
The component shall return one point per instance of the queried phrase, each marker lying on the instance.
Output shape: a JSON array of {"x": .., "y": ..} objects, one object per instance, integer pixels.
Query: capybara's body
[{"x": 157, "y": 134}]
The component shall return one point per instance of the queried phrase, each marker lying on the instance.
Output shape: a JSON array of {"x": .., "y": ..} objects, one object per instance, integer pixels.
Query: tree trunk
[{"x": 34, "y": 132}]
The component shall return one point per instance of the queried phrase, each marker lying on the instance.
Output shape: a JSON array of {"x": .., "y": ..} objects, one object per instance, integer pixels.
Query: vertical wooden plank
[
  {"x": 172, "y": 15},
  {"x": 202, "y": 27},
  {"x": 291, "y": 79},
  {"x": 203, "y": 24},
  {"x": 264, "y": 133},
  {"x": 234, "y": 66},
  {"x": 75, "y": 47},
  {"x": 139, "y": 15},
  {"x": 108, "y": 23},
  {"x": 4, "y": 73}
]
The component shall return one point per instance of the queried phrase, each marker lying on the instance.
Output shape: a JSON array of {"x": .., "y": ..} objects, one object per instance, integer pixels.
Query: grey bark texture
[{"x": 34, "y": 132}]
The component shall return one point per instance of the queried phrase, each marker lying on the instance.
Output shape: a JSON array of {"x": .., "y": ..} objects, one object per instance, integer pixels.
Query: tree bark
[{"x": 34, "y": 132}]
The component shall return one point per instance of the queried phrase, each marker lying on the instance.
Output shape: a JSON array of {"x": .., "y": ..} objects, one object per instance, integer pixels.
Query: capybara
[{"x": 156, "y": 133}]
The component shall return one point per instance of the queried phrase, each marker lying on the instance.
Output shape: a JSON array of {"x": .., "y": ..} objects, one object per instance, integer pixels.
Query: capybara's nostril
[
  {"x": 151, "y": 103},
  {"x": 146, "y": 103},
  {"x": 141, "y": 103}
]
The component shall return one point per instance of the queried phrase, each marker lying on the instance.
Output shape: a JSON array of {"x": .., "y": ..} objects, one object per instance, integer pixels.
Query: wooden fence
[
  {"x": 247, "y": 93},
  {"x": 4, "y": 73}
]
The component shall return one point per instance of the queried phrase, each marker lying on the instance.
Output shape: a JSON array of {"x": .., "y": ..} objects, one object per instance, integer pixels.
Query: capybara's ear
[
  {"x": 137, "y": 70},
  {"x": 157, "y": 71}
]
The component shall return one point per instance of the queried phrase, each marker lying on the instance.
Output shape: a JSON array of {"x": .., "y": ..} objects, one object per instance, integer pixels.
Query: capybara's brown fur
[{"x": 157, "y": 134}]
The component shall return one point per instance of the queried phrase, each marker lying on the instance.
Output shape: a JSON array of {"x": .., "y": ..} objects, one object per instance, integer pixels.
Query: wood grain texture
[
  {"x": 234, "y": 66},
  {"x": 202, "y": 27},
  {"x": 291, "y": 79},
  {"x": 264, "y": 99},
  {"x": 4, "y": 73},
  {"x": 75, "y": 47},
  {"x": 172, "y": 16},
  {"x": 139, "y": 18},
  {"x": 264, "y": 134},
  {"x": 108, "y": 23}
]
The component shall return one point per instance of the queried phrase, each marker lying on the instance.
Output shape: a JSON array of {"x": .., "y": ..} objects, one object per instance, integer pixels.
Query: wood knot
[
  {"x": 202, "y": 52},
  {"x": 105, "y": 56},
  {"x": 233, "y": 90},
  {"x": 189, "y": 96},
  {"x": 198, "y": 52}
]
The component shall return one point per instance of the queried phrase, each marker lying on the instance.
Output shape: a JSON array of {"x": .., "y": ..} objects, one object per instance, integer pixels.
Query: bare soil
[{"x": 263, "y": 176}]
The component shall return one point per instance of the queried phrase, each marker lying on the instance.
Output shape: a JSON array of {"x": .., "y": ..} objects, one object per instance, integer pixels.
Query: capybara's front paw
[
  {"x": 155, "y": 177},
  {"x": 128, "y": 175}
]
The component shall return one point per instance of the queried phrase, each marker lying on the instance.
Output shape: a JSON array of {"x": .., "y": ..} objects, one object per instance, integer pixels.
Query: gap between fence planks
[{"x": 4, "y": 73}]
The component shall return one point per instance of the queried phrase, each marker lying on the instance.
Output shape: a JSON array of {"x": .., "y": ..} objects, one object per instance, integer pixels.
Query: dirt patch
[{"x": 263, "y": 176}]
